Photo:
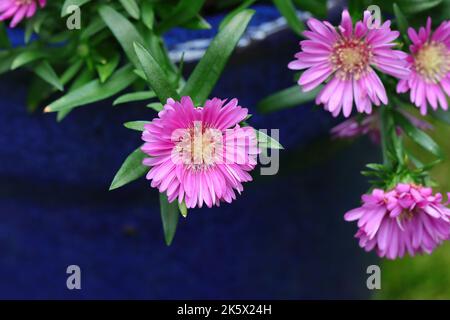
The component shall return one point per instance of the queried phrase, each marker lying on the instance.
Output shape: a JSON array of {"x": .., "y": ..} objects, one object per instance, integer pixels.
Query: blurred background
[{"x": 283, "y": 238}]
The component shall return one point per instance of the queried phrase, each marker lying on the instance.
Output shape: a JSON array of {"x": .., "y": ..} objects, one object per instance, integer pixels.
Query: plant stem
[{"x": 385, "y": 134}]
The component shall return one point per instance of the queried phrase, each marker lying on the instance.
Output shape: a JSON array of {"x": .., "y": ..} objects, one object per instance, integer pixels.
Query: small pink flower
[
  {"x": 200, "y": 155},
  {"x": 406, "y": 219},
  {"x": 430, "y": 67},
  {"x": 356, "y": 126},
  {"x": 346, "y": 57},
  {"x": 19, "y": 9}
]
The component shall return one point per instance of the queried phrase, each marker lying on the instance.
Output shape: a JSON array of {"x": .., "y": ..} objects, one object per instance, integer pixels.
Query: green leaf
[
  {"x": 28, "y": 30},
  {"x": 71, "y": 71},
  {"x": 123, "y": 30},
  {"x": 208, "y": 70},
  {"x": 183, "y": 209},
  {"x": 287, "y": 98},
  {"x": 83, "y": 78},
  {"x": 131, "y": 169},
  {"x": 27, "y": 57},
  {"x": 106, "y": 70},
  {"x": 135, "y": 96},
  {"x": 287, "y": 9},
  {"x": 68, "y": 3},
  {"x": 244, "y": 5},
  {"x": 317, "y": 7},
  {"x": 37, "y": 91},
  {"x": 131, "y": 7},
  {"x": 441, "y": 115},
  {"x": 267, "y": 142},
  {"x": 6, "y": 59},
  {"x": 136, "y": 125},
  {"x": 155, "y": 75},
  {"x": 197, "y": 23},
  {"x": 417, "y": 135},
  {"x": 4, "y": 39},
  {"x": 413, "y": 7},
  {"x": 38, "y": 20},
  {"x": 148, "y": 14},
  {"x": 155, "y": 106},
  {"x": 95, "y": 26},
  {"x": 400, "y": 18},
  {"x": 45, "y": 71},
  {"x": 140, "y": 74},
  {"x": 182, "y": 13},
  {"x": 169, "y": 216},
  {"x": 95, "y": 91}
]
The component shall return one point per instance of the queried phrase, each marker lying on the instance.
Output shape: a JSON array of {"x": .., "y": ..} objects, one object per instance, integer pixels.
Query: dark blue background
[{"x": 284, "y": 238}]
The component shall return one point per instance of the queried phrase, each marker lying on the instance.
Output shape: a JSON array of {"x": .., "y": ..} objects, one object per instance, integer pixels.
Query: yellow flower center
[
  {"x": 199, "y": 147},
  {"x": 432, "y": 61},
  {"x": 350, "y": 58}
]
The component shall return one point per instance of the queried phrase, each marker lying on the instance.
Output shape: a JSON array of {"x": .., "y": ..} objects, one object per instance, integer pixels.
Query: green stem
[{"x": 384, "y": 130}]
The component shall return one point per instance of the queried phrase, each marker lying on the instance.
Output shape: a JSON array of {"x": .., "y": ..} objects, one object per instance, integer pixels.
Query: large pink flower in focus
[
  {"x": 346, "y": 57},
  {"x": 200, "y": 155},
  {"x": 19, "y": 9},
  {"x": 406, "y": 219},
  {"x": 430, "y": 67}
]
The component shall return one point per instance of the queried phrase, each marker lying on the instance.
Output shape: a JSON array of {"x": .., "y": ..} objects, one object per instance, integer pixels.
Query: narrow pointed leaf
[
  {"x": 169, "y": 216},
  {"x": 233, "y": 13},
  {"x": 441, "y": 115},
  {"x": 400, "y": 18},
  {"x": 131, "y": 169},
  {"x": 417, "y": 135},
  {"x": 148, "y": 14},
  {"x": 267, "y": 142},
  {"x": 124, "y": 31},
  {"x": 106, "y": 70},
  {"x": 287, "y": 9},
  {"x": 155, "y": 75},
  {"x": 135, "y": 96},
  {"x": 45, "y": 71},
  {"x": 136, "y": 125},
  {"x": 183, "y": 209},
  {"x": 208, "y": 70},
  {"x": 131, "y": 7},
  {"x": 4, "y": 39},
  {"x": 197, "y": 23},
  {"x": 183, "y": 12},
  {"x": 287, "y": 98},
  {"x": 157, "y": 106},
  {"x": 95, "y": 91},
  {"x": 27, "y": 57}
]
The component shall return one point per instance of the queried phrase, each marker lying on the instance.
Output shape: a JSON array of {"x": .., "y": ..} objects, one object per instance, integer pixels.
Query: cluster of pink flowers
[
  {"x": 407, "y": 219},
  {"x": 345, "y": 59},
  {"x": 17, "y": 10},
  {"x": 200, "y": 155},
  {"x": 429, "y": 63}
]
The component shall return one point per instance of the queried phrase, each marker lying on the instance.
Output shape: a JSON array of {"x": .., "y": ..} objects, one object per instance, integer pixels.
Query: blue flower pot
[{"x": 283, "y": 238}]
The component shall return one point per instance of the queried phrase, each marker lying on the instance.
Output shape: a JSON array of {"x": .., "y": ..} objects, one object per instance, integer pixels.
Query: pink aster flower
[
  {"x": 344, "y": 59},
  {"x": 430, "y": 67},
  {"x": 407, "y": 219},
  {"x": 19, "y": 9},
  {"x": 359, "y": 125},
  {"x": 355, "y": 127},
  {"x": 200, "y": 155}
]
